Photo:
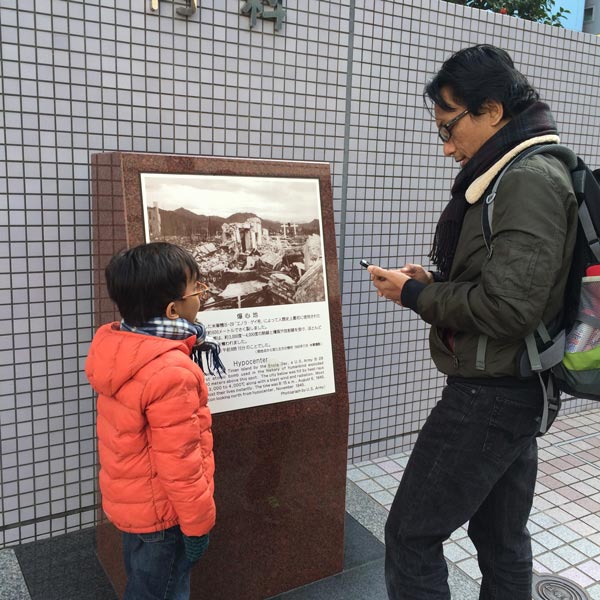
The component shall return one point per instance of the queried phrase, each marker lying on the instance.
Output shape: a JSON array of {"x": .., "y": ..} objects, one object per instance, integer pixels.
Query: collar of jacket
[{"x": 479, "y": 185}]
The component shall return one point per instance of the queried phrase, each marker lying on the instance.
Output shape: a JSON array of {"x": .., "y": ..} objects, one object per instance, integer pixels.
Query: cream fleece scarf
[{"x": 479, "y": 185}]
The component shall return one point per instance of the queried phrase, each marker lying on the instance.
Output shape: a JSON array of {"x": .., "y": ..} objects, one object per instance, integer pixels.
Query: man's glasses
[
  {"x": 200, "y": 290},
  {"x": 444, "y": 130}
]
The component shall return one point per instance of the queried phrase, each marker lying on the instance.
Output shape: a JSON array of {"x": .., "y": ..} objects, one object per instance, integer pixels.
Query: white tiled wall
[{"x": 341, "y": 82}]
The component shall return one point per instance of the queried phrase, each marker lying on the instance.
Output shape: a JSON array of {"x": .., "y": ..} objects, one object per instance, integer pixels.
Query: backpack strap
[
  {"x": 551, "y": 395},
  {"x": 487, "y": 209},
  {"x": 535, "y": 359},
  {"x": 540, "y": 363},
  {"x": 533, "y": 354},
  {"x": 586, "y": 184},
  {"x": 588, "y": 228},
  {"x": 487, "y": 213},
  {"x": 553, "y": 349}
]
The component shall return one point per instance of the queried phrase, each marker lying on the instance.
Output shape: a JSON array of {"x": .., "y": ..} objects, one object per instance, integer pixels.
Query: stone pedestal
[{"x": 280, "y": 468}]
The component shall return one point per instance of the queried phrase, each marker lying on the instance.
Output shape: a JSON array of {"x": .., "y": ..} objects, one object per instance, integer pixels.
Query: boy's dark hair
[
  {"x": 483, "y": 72},
  {"x": 143, "y": 280}
]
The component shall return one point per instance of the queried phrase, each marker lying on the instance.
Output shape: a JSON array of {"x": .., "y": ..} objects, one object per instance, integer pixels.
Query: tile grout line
[
  {"x": 372, "y": 516},
  {"x": 566, "y": 558}
]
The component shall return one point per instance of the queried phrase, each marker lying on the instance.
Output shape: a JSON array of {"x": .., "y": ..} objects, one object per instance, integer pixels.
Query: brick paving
[{"x": 565, "y": 519}]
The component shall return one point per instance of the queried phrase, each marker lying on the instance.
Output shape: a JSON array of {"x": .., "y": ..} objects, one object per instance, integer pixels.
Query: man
[{"x": 476, "y": 457}]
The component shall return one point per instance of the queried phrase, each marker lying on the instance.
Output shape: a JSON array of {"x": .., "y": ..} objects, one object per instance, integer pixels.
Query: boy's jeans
[
  {"x": 474, "y": 460},
  {"x": 156, "y": 566}
]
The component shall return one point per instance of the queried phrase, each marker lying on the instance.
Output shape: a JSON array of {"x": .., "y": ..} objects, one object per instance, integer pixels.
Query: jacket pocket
[
  {"x": 438, "y": 337},
  {"x": 511, "y": 268}
]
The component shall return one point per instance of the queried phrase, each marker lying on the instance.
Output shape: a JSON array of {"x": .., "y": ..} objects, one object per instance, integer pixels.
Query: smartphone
[{"x": 365, "y": 263}]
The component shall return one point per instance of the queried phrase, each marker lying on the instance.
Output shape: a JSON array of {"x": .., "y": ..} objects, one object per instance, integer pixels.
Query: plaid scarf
[
  {"x": 536, "y": 120},
  {"x": 206, "y": 350}
]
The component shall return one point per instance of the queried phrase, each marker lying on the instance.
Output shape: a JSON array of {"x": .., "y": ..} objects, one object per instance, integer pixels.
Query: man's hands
[
  {"x": 389, "y": 283},
  {"x": 417, "y": 272}
]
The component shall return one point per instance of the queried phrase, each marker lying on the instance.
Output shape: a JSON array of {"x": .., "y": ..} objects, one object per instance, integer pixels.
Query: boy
[{"x": 154, "y": 426}]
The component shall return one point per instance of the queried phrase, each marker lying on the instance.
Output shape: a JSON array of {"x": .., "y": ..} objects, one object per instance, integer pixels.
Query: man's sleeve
[{"x": 529, "y": 233}]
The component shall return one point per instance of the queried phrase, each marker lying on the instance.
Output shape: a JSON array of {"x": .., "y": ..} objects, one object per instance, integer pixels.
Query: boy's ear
[{"x": 171, "y": 311}]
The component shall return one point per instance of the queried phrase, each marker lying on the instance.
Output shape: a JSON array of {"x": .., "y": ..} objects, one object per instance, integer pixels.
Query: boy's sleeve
[{"x": 180, "y": 424}]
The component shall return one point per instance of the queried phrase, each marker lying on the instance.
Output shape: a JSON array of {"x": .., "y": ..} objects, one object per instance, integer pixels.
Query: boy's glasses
[
  {"x": 201, "y": 290},
  {"x": 444, "y": 130}
]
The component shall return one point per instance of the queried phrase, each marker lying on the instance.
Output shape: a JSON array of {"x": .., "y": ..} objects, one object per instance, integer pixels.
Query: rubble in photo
[{"x": 245, "y": 261}]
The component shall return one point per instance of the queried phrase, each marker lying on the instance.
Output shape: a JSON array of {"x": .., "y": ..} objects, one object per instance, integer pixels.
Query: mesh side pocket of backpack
[{"x": 580, "y": 368}]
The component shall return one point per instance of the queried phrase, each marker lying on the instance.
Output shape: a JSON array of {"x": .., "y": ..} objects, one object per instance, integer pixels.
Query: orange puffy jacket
[{"x": 154, "y": 432}]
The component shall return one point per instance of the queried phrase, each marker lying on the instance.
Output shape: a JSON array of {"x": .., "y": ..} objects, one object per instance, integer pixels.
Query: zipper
[{"x": 444, "y": 347}]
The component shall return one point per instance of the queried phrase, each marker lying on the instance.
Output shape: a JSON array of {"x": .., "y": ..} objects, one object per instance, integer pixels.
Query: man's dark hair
[
  {"x": 483, "y": 72},
  {"x": 143, "y": 280}
]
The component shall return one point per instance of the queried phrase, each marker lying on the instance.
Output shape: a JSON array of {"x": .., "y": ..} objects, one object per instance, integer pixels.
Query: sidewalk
[
  {"x": 565, "y": 520},
  {"x": 565, "y": 526}
]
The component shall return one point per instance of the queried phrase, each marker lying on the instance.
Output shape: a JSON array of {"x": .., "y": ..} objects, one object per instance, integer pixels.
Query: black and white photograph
[{"x": 257, "y": 240}]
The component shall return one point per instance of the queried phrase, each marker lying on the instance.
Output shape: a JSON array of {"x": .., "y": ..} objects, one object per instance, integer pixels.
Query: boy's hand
[
  {"x": 388, "y": 283},
  {"x": 195, "y": 546}
]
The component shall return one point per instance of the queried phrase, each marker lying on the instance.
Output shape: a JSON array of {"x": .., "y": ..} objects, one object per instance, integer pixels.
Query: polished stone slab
[
  {"x": 280, "y": 518},
  {"x": 360, "y": 545},
  {"x": 280, "y": 468},
  {"x": 13, "y": 585},
  {"x": 373, "y": 516},
  {"x": 64, "y": 568},
  {"x": 362, "y": 576},
  {"x": 364, "y": 582}
]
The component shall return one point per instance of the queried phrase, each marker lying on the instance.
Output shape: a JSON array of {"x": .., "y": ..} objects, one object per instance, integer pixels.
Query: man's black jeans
[{"x": 474, "y": 460}]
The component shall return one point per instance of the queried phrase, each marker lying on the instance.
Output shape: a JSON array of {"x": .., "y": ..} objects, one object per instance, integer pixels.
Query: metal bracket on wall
[
  {"x": 259, "y": 9},
  {"x": 190, "y": 8}
]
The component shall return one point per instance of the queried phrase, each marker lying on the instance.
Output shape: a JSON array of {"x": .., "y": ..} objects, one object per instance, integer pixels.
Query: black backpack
[{"x": 570, "y": 360}]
